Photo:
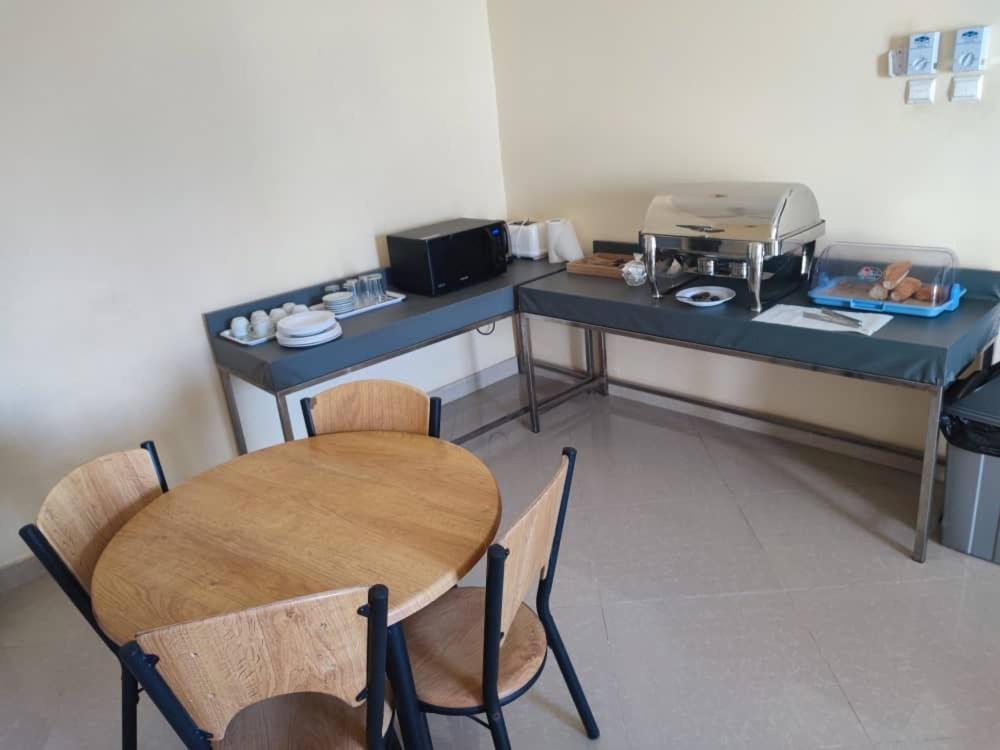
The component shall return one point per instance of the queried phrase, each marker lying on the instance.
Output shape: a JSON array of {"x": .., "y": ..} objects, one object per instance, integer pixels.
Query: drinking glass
[
  {"x": 375, "y": 287},
  {"x": 351, "y": 285}
]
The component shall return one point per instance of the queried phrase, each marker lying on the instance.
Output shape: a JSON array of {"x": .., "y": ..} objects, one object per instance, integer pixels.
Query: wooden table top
[{"x": 358, "y": 508}]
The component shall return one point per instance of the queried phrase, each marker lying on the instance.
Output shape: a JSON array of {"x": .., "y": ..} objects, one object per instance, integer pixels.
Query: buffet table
[
  {"x": 368, "y": 338},
  {"x": 926, "y": 354}
]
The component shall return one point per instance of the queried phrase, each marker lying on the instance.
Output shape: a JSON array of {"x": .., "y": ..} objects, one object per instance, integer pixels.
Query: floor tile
[
  {"x": 733, "y": 671},
  {"x": 919, "y": 660},
  {"x": 854, "y": 535},
  {"x": 981, "y": 741}
]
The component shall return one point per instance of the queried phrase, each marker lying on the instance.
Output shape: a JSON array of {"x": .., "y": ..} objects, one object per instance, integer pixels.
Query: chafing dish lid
[{"x": 744, "y": 211}]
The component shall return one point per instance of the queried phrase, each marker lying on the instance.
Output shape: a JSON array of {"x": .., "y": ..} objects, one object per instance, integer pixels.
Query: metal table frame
[
  {"x": 595, "y": 337},
  {"x": 588, "y": 380}
]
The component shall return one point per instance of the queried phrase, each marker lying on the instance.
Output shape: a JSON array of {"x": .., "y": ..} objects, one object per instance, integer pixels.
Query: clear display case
[{"x": 887, "y": 278}]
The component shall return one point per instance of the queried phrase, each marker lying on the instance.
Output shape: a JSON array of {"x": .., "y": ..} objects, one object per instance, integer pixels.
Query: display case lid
[
  {"x": 744, "y": 211},
  {"x": 893, "y": 278}
]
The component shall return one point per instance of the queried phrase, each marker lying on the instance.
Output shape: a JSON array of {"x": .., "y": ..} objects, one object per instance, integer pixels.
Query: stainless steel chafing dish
[{"x": 764, "y": 232}]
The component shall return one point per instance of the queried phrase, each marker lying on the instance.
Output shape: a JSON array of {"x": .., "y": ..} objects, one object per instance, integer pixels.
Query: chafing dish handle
[
  {"x": 755, "y": 271},
  {"x": 649, "y": 245}
]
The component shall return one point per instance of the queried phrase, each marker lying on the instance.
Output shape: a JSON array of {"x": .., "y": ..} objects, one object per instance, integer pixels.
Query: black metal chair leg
[
  {"x": 498, "y": 730},
  {"x": 412, "y": 721},
  {"x": 569, "y": 675},
  {"x": 130, "y": 705},
  {"x": 392, "y": 740}
]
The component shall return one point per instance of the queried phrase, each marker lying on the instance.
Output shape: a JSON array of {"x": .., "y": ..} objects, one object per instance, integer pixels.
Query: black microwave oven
[{"x": 449, "y": 255}]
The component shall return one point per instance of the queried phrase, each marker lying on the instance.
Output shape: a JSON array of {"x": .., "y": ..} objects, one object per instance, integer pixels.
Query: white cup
[
  {"x": 300, "y": 309},
  {"x": 288, "y": 307},
  {"x": 262, "y": 327},
  {"x": 257, "y": 315},
  {"x": 239, "y": 327},
  {"x": 277, "y": 314}
]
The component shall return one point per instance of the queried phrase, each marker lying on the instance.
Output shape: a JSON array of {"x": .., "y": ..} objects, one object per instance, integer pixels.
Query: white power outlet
[{"x": 920, "y": 90}]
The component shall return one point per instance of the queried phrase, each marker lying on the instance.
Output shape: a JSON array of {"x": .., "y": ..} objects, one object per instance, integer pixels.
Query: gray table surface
[
  {"x": 919, "y": 351},
  {"x": 368, "y": 336}
]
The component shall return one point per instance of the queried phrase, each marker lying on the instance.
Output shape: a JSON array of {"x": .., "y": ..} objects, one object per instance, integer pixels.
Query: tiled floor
[{"x": 718, "y": 589}]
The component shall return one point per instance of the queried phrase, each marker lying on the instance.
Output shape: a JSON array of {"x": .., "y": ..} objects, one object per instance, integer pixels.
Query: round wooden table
[{"x": 359, "y": 508}]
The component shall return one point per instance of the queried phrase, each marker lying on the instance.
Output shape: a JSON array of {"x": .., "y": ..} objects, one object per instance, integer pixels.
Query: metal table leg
[
  {"x": 284, "y": 417},
  {"x": 602, "y": 360},
  {"x": 234, "y": 412},
  {"x": 412, "y": 722},
  {"x": 588, "y": 350},
  {"x": 518, "y": 346},
  {"x": 529, "y": 370},
  {"x": 927, "y": 476}
]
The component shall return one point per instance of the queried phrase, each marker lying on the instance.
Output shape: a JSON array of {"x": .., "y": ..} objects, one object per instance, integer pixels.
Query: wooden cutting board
[{"x": 608, "y": 265}]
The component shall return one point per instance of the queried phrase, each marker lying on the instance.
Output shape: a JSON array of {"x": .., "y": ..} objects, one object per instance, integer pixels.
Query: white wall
[
  {"x": 603, "y": 101},
  {"x": 161, "y": 159}
]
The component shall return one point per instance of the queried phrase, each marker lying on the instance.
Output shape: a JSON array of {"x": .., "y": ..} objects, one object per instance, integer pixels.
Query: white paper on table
[{"x": 792, "y": 315}]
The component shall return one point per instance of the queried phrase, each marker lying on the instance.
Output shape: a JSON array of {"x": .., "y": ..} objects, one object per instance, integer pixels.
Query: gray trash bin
[{"x": 971, "y": 424}]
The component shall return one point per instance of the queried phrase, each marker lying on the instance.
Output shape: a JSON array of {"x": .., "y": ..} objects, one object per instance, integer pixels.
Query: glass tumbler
[
  {"x": 351, "y": 285},
  {"x": 375, "y": 287}
]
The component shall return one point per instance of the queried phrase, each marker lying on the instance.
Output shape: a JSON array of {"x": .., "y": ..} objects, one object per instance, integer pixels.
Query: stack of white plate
[
  {"x": 339, "y": 302},
  {"x": 308, "y": 329}
]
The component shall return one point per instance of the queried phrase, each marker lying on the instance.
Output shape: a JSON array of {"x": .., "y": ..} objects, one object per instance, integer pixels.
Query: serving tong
[{"x": 830, "y": 316}]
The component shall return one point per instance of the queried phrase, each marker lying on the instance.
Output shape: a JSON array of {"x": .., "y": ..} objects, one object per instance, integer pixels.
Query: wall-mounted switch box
[
  {"x": 920, "y": 90},
  {"x": 896, "y": 61},
  {"x": 971, "y": 49},
  {"x": 922, "y": 57},
  {"x": 967, "y": 88}
]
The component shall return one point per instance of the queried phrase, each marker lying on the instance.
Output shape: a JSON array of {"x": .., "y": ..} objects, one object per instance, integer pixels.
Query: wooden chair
[
  {"x": 75, "y": 524},
  {"x": 301, "y": 674},
  {"x": 367, "y": 405},
  {"x": 465, "y": 666}
]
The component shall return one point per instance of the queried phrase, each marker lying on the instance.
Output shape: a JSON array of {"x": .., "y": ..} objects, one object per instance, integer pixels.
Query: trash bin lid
[{"x": 982, "y": 405}]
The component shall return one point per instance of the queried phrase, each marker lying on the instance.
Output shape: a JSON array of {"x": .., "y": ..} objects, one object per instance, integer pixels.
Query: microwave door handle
[{"x": 506, "y": 238}]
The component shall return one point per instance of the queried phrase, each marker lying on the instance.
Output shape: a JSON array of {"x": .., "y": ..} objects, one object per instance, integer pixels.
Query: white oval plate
[
  {"x": 296, "y": 342},
  {"x": 723, "y": 293},
  {"x": 306, "y": 323}
]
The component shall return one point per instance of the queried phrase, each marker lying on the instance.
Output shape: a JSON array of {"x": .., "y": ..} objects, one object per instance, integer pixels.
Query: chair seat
[
  {"x": 299, "y": 721},
  {"x": 445, "y": 641}
]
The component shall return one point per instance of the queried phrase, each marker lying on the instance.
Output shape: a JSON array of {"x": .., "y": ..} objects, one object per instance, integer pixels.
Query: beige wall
[
  {"x": 160, "y": 159},
  {"x": 602, "y": 101}
]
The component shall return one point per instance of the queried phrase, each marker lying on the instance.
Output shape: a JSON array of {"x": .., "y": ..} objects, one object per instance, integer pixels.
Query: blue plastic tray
[{"x": 872, "y": 305}]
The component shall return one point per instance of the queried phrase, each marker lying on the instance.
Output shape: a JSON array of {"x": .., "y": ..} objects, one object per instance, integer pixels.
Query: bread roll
[
  {"x": 932, "y": 293},
  {"x": 895, "y": 272},
  {"x": 905, "y": 289}
]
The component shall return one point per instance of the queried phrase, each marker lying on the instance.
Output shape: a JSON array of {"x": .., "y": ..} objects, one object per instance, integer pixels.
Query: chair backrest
[
  {"x": 91, "y": 503},
  {"x": 531, "y": 540},
  {"x": 332, "y": 643},
  {"x": 367, "y": 405}
]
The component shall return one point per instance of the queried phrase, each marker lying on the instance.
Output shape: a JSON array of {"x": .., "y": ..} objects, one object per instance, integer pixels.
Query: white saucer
[
  {"x": 338, "y": 298},
  {"x": 298, "y": 342},
  {"x": 724, "y": 294},
  {"x": 306, "y": 323}
]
